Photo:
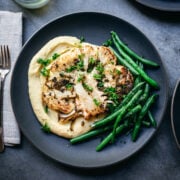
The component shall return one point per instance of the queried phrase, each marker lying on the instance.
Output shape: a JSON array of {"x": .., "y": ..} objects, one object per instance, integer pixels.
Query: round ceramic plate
[
  {"x": 95, "y": 27},
  {"x": 162, "y": 5}
]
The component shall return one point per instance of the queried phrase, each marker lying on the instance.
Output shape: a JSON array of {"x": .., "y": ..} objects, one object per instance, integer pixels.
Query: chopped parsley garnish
[
  {"x": 98, "y": 76},
  {"x": 71, "y": 68},
  {"x": 91, "y": 60},
  {"x": 46, "y": 128},
  {"x": 100, "y": 68},
  {"x": 100, "y": 84},
  {"x": 46, "y": 109},
  {"x": 108, "y": 42},
  {"x": 44, "y": 62},
  {"x": 91, "y": 64},
  {"x": 96, "y": 102},
  {"x": 87, "y": 87},
  {"x": 82, "y": 39},
  {"x": 55, "y": 56},
  {"x": 111, "y": 107},
  {"x": 44, "y": 71},
  {"x": 80, "y": 77},
  {"x": 80, "y": 65},
  {"x": 118, "y": 72},
  {"x": 69, "y": 86},
  {"x": 81, "y": 57},
  {"x": 112, "y": 95}
]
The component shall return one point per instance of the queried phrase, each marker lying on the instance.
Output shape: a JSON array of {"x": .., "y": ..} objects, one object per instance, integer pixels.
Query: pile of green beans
[{"x": 134, "y": 111}]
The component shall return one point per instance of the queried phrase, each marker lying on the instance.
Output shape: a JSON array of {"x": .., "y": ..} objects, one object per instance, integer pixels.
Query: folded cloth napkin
[{"x": 11, "y": 35}]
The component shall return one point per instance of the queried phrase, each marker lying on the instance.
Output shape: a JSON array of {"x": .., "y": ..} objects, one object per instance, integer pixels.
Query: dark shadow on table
[{"x": 156, "y": 14}]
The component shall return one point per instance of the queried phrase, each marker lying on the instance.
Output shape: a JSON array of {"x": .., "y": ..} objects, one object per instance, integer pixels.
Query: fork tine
[
  {"x": 1, "y": 56},
  {"x": 7, "y": 56}
]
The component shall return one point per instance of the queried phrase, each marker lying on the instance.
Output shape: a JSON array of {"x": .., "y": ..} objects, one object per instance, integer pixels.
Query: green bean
[
  {"x": 138, "y": 78},
  {"x": 147, "y": 105},
  {"x": 133, "y": 111},
  {"x": 133, "y": 54},
  {"x": 106, "y": 120},
  {"x": 143, "y": 74},
  {"x": 89, "y": 134},
  {"x": 109, "y": 137},
  {"x": 142, "y": 113},
  {"x": 124, "y": 109},
  {"x": 146, "y": 93},
  {"x": 118, "y": 109},
  {"x": 125, "y": 63},
  {"x": 152, "y": 120}
]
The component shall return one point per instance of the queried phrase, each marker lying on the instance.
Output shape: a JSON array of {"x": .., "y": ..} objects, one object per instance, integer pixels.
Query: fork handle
[{"x": 1, "y": 113}]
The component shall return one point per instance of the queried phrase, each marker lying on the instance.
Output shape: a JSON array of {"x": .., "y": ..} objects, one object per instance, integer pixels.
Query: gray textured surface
[{"x": 160, "y": 158}]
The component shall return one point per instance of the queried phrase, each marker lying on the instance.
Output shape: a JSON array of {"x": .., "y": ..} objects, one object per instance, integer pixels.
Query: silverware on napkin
[
  {"x": 5, "y": 65},
  {"x": 11, "y": 34}
]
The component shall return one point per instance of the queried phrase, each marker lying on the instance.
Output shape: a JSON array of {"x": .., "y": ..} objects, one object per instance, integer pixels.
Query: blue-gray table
[{"x": 160, "y": 159}]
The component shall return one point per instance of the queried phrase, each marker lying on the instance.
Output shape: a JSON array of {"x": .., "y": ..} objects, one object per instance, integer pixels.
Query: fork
[{"x": 5, "y": 65}]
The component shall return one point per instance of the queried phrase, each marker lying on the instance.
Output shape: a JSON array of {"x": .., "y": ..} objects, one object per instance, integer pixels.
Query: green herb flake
[
  {"x": 111, "y": 107},
  {"x": 118, "y": 72},
  {"x": 80, "y": 65},
  {"x": 81, "y": 57},
  {"x": 91, "y": 60},
  {"x": 87, "y": 87},
  {"x": 55, "y": 56},
  {"x": 110, "y": 90},
  {"x": 100, "y": 68},
  {"x": 96, "y": 102},
  {"x": 109, "y": 42},
  {"x": 44, "y": 62},
  {"x": 82, "y": 39},
  {"x": 70, "y": 69},
  {"x": 44, "y": 72},
  {"x": 100, "y": 84},
  {"x": 91, "y": 64},
  {"x": 69, "y": 86},
  {"x": 80, "y": 77},
  {"x": 46, "y": 109},
  {"x": 97, "y": 76},
  {"x": 112, "y": 95},
  {"x": 46, "y": 128}
]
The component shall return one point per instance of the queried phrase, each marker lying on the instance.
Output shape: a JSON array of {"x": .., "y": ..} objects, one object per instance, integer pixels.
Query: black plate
[
  {"x": 175, "y": 113},
  {"x": 162, "y": 5},
  {"x": 95, "y": 27}
]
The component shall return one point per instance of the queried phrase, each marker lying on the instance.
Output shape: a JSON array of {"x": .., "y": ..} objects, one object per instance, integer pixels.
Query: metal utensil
[
  {"x": 175, "y": 113},
  {"x": 5, "y": 65}
]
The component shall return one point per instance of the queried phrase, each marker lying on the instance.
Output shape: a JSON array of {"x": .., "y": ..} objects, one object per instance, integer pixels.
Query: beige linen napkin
[{"x": 11, "y": 35}]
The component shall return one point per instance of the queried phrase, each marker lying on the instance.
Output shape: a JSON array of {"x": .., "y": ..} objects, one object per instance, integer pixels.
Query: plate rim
[
  {"x": 164, "y": 74},
  {"x": 172, "y": 112},
  {"x": 173, "y": 9}
]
